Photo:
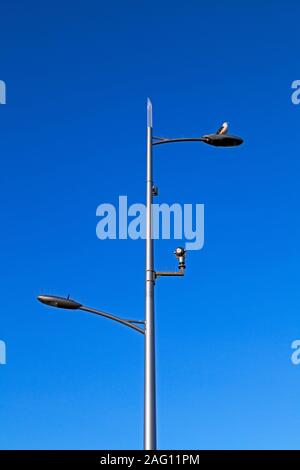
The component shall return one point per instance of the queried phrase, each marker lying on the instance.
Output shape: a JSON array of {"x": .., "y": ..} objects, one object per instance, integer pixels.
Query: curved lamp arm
[
  {"x": 129, "y": 323},
  {"x": 161, "y": 140}
]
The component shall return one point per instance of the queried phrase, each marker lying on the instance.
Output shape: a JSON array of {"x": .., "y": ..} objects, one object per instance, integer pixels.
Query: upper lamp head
[{"x": 222, "y": 140}]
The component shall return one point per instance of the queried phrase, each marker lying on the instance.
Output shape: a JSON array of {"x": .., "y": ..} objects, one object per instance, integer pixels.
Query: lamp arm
[
  {"x": 129, "y": 323},
  {"x": 161, "y": 140}
]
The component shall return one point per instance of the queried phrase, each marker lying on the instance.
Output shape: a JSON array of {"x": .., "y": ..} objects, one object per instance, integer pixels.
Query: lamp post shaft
[{"x": 150, "y": 391}]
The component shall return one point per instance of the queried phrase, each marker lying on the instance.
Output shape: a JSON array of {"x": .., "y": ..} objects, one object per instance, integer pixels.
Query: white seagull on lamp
[{"x": 223, "y": 129}]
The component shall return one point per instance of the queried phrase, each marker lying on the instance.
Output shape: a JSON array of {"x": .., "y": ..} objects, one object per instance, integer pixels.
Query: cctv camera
[{"x": 179, "y": 252}]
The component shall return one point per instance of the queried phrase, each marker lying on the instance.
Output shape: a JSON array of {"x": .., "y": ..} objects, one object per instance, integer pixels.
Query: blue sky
[{"x": 72, "y": 137}]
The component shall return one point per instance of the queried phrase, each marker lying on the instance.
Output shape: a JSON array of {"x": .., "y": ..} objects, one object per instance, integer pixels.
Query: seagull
[{"x": 223, "y": 129}]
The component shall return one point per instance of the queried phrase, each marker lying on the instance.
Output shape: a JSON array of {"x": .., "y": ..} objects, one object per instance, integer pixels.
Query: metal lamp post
[{"x": 219, "y": 139}]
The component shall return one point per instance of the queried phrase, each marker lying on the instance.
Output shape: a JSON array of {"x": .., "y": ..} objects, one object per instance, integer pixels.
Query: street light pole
[
  {"x": 219, "y": 139},
  {"x": 149, "y": 390}
]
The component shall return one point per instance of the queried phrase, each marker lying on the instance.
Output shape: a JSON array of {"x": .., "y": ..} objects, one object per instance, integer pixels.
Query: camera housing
[{"x": 180, "y": 254}]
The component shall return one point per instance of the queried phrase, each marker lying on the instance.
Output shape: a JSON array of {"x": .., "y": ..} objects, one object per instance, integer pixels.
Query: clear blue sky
[{"x": 73, "y": 136}]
